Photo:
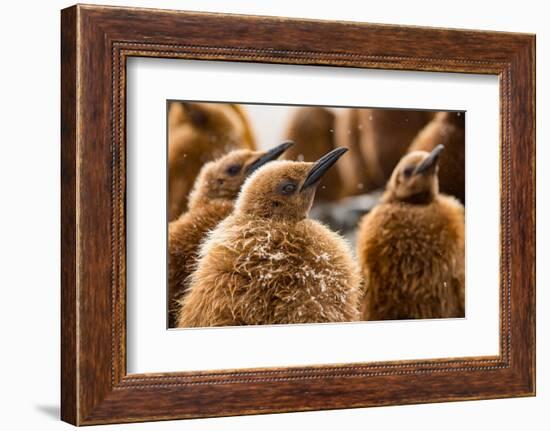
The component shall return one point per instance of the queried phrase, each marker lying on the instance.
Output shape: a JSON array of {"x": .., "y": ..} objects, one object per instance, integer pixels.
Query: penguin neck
[
  {"x": 425, "y": 197},
  {"x": 271, "y": 219},
  {"x": 201, "y": 202}
]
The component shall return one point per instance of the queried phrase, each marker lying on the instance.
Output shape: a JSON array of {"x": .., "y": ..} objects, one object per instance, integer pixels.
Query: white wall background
[{"x": 29, "y": 214}]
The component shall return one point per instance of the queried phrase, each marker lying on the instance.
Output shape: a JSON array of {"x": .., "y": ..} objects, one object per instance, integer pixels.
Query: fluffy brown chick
[
  {"x": 211, "y": 200},
  {"x": 448, "y": 129},
  {"x": 198, "y": 133},
  {"x": 312, "y": 128},
  {"x": 268, "y": 263},
  {"x": 411, "y": 246},
  {"x": 377, "y": 138}
]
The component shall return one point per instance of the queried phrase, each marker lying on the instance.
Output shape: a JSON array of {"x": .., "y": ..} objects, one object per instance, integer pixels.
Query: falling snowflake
[{"x": 278, "y": 255}]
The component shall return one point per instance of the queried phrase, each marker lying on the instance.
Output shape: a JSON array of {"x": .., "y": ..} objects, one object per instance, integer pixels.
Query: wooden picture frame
[{"x": 96, "y": 41}]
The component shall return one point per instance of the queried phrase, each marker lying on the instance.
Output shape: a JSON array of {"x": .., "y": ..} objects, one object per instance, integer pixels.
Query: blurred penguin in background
[
  {"x": 312, "y": 128},
  {"x": 211, "y": 200},
  {"x": 198, "y": 133},
  {"x": 377, "y": 139},
  {"x": 268, "y": 263},
  {"x": 448, "y": 129},
  {"x": 411, "y": 246}
]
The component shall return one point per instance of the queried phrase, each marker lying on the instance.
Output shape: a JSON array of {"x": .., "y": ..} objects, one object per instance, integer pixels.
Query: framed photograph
[{"x": 264, "y": 215}]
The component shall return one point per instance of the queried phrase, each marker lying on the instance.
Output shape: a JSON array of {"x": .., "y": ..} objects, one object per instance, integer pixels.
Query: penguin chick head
[
  {"x": 223, "y": 178},
  {"x": 284, "y": 190},
  {"x": 414, "y": 179},
  {"x": 199, "y": 133}
]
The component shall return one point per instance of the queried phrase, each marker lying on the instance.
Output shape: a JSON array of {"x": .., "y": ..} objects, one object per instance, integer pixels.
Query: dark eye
[
  {"x": 288, "y": 188},
  {"x": 408, "y": 171},
  {"x": 233, "y": 170}
]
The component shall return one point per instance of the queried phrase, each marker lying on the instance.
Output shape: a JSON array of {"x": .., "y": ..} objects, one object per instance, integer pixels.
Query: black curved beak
[
  {"x": 272, "y": 154},
  {"x": 429, "y": 162},
  {"x": 322, "y": 166}
]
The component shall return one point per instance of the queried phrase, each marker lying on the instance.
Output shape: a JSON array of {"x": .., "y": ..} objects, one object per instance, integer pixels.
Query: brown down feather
[
  {"x": 267, "y": 263},
  {"x": 411, "y": 251},
  {"x": 184, "y": 237},
  {"x": 210, "y": 201}
]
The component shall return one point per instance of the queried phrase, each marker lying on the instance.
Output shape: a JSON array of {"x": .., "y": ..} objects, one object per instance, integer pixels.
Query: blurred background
[{"x": 376, "y": 139}]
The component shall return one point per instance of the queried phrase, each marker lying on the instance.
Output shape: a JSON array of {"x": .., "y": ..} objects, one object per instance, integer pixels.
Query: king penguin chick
[
  {"x": 268, "y": 263},
  {"x": 411, "y": 246},
  {"x": 210, "y": 202},
  {"x": 199, "y": 133}
]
